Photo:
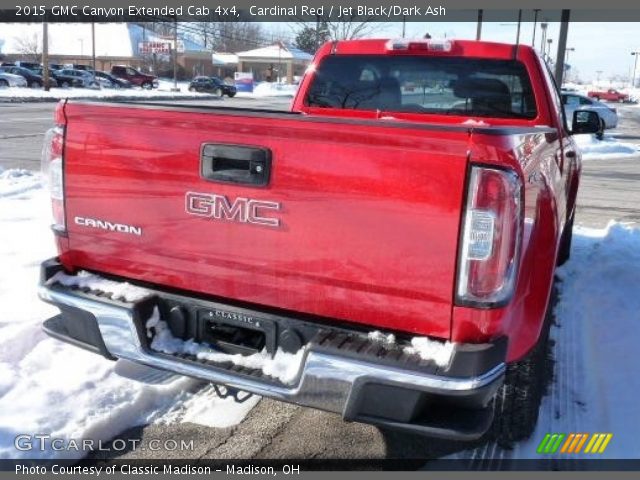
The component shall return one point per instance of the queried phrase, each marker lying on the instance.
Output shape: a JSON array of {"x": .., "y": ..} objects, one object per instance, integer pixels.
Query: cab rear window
[{"x": 421, "y": 84}]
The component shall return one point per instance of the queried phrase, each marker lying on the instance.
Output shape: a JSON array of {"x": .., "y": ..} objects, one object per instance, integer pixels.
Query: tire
[
  {"x": 600, "y": 134},
  {"x": 597, "y": 98},
  {"x": 564, "y": 252},
  {"x": 191, "y": 89},
  {"x": 147, "y": 85},
  {"x": 4, "y": 83},
  {"x": 231, "y": 95},
  {"x": 218, "y": 92},
  {"x": 65, "y": 84},
  {"x": 35, "y": 85},
  {"x": 517, "y": 402}
]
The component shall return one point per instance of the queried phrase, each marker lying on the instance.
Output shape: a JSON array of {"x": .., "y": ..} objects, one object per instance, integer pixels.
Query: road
[{"x": 277, "y": 430}]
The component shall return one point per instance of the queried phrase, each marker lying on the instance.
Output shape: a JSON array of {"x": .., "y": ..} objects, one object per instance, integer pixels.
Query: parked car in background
[
  {"x": 134, "y": 76},
  {"x": 20, "y": 63},
  {"x": 78, "y": 66},
  {"x": 64, "y": 80},
  {"x": 55, "y": 66},
  {"x": 611, "y": 95},
  {"x": 11, "y": 80},
  {"x": 573, "y": 101},
  {"x": 86, "y": 79},
  {"x": 212, "y": 85},
  {"x": 114, "y": 82},
  {"x": 34, "y": 80}
]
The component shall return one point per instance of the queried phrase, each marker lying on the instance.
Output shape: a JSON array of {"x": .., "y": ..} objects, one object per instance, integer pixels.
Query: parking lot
[{"x": 276, "y": 430}]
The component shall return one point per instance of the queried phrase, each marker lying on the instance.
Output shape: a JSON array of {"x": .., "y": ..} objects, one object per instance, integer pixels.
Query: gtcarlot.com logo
[{"x": 574, "y": 443}]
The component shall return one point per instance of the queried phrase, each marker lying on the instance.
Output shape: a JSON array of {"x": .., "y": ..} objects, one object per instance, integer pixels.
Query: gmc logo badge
[{"x": 242, "y": 210}]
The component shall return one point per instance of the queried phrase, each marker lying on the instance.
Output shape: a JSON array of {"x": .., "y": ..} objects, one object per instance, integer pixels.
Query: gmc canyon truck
[{"x": 385, "y": 250}]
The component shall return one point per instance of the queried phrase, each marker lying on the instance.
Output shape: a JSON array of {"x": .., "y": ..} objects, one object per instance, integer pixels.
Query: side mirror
[{"x": 585, "y": 121}]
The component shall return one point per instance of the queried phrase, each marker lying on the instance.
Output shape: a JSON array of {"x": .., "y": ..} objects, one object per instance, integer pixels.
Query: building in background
[{"x": 278, "y": 62}]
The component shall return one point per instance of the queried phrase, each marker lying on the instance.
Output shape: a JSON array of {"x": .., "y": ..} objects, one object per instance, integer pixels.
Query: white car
[
  {"x": 574, "y": 101},
  {"x": 11, "y": 80}
]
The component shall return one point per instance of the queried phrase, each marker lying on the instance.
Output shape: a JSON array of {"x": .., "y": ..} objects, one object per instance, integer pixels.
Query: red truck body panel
[
  {"x": 368, "y": 234},
  {"x": 370, "y": 205}
]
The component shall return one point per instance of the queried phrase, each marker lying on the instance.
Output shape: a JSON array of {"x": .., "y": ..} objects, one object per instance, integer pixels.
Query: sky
[{"x": 599, "y": 46}]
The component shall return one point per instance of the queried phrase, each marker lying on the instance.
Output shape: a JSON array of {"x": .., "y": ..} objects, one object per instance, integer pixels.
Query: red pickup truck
[
  {"x": 382, "y": 252},
  {"x": 610, "y": 95}
]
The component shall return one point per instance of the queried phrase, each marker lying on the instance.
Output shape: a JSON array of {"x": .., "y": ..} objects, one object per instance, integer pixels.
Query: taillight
[
  {"x": 52, "y": 170},
  {"x": 490, "y": 238}
]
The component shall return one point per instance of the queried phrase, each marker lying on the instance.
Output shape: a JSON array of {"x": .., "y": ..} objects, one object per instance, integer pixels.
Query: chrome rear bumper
[{"x": 326, "y": 381}]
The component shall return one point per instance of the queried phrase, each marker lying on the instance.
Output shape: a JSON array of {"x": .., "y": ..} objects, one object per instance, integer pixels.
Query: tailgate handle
[{"x": 235, "y": 164}]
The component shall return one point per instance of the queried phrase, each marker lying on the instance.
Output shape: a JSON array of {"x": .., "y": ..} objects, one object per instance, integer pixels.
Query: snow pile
[
  {"x": 440, "y": 352},
  {"x": 124, "y": 93},
  {"x": 52, "y": 388},
  {"x": 123, "y": 291},
  {"x": 271, "y": 89},
  {"x": 378, "y": 336},
  {"x": 608, "y": 147},
  {"x": 283, "y": 366},
  {"x": 17, "y": 180}
]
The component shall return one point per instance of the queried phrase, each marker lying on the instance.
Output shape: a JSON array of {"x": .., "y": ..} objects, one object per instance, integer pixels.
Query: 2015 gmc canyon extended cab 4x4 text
[{"x": 386, "y": 250}]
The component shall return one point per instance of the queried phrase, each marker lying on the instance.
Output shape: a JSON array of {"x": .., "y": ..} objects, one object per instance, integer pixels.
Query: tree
[
  {"x": 309, "y": 38},
  {"x": 30, "y": 46},
  {"x": 348, "y": 28}
]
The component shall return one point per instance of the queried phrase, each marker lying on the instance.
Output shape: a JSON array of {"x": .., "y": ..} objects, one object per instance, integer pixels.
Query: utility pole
[
  {"x": 93, "y": 49},
  {"x": 535, "y": 23},
  {"x": 404, "y": 25},
  {"x": 543, "y": 39},
  {"x": 175, "y": 54},
  {"x": 635, "y": 66},
  {"x": 45, "y": 54},
  {"x": 479, "y": 29},
  {"x": 562, "y": 45},
  {"x": 519, "y": 22}
]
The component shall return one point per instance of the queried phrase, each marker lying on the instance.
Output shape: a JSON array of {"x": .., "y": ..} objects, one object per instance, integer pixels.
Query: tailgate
[{"x": 356, "y": 222}]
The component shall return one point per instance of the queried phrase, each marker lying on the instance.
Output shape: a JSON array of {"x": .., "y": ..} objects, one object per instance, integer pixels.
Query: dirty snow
[
  {"x": 609, "y": 146},
  {"x": 283, "y": 366},
  {"x": 427, "y": 349},
  {"x": 378, "y": 336},
  {"x": 52, "y": 388},
  {"x": 123, "y": 291}
]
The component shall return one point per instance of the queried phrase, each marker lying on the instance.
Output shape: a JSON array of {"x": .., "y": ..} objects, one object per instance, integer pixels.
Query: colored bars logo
[{"x": 574, "y": 443}]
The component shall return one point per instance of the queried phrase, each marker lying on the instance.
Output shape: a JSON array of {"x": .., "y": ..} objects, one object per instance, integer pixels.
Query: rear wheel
[
  {"x": 218, "y": 92},
  {"x": 3, "y": 83},
  {"x": 147, "y": 85},
  {"x": 65, "y": 84},
  {"x": 600, "y": 134},
  {"x": 517, "y": 403}
]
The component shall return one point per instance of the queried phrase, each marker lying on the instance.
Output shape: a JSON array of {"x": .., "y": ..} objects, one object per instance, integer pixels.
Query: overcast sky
[{"x": 598, "y": 45}]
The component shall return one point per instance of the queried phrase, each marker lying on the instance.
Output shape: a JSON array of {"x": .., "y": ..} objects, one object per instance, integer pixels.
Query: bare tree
[
  {"x": 30, "y": 46},
  {"x": 349, "y": 28}
]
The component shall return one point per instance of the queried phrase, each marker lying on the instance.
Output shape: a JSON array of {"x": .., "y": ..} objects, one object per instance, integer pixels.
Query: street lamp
[
  {"x": 635, "y": 66},
  {"x": 549, "y": 42},
  {"x": 566, "y": 57}
]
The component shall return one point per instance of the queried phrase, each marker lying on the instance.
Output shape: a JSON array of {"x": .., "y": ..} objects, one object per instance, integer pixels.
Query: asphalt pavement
[{"x": 609, "y": 190}]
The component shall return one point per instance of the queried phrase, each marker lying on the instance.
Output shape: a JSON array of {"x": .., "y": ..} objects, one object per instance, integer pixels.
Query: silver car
[
  {"x": 11, "y": 80},
  {"x": 574, "y": 101}
]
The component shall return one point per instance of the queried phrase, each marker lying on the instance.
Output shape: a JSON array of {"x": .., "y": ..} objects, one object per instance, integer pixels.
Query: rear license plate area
[{"x": 236, "y": 332}]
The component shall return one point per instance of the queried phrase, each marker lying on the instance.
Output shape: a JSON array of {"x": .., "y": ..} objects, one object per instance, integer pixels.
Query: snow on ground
[
  {"x": 51, "y": 388},
  {"x": 164, "y": 90},
  {"x": 596, "y": 373},
  {"x": 608, "y": 147}
]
